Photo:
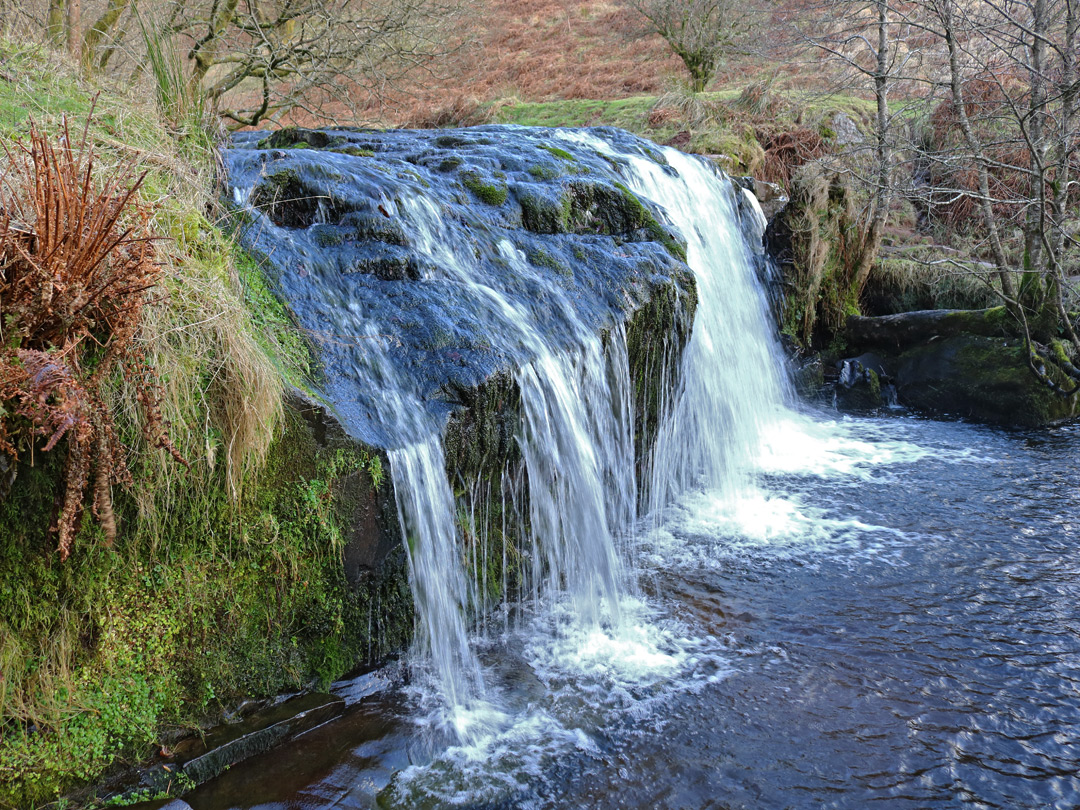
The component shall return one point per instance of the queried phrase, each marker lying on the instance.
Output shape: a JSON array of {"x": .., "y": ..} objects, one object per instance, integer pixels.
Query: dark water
[
  {"x": 934, "y": 670},
  {"x": 889, "y": 619}
]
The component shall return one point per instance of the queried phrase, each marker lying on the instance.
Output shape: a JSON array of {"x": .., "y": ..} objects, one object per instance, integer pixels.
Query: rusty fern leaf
[{"x": 77, "y": 258}]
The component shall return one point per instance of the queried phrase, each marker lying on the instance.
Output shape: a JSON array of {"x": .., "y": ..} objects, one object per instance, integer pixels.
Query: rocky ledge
[{"x": 965, "y": 363}]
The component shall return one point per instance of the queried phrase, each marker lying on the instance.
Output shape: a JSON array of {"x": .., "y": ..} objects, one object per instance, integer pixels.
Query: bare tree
[
  {"x": 1013, "y": 86},
  {"x": 866, "y": 38},
  {"x": 254, "y": 60},
  {"x": 259, "y": 58},
  {"x": 701, "y": 32}
]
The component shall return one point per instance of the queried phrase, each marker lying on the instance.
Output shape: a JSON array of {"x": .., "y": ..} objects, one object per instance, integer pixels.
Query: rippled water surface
[{"x": 887, "y": 615}]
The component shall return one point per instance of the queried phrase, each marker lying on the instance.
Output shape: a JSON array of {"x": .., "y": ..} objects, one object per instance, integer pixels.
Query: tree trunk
[
  {"x": 204, "y": 51},
  {"x": 74, "y": 24},
  {"x": 55, "y": 20},
  {"x": 101, "y": 31},
  {"x": 986, "y": 210},
  {"x": 881, "y": 198}
]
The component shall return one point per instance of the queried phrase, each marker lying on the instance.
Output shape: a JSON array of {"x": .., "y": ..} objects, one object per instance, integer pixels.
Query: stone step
[{"x": 201, "y": 759}]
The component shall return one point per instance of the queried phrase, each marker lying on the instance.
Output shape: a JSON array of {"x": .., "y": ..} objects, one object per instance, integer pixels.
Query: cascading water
[
  {"x": 445, "y": 297},
  {"x": 440, "y": 589},
  {"x": 732, "y": 387},
  {"x": 579, "y": 460},
  {"x": 577, "y": 447},
  {"x": 430, "y": 301}
]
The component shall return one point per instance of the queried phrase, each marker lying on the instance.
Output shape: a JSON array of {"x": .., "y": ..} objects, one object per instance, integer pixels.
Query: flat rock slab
[
  {"x": 226, "y": 745},
  {"x": 422, "y": 264}
]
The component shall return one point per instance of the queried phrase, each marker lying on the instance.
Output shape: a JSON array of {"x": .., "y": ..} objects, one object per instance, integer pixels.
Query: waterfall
[
  {"x": 450, "y": 293},
  {"x": 731, "y": 386},
  {"x": 576, "y": 440},
  {"x": 579, "y": 457},
  {"x": 440, "y": 589}
]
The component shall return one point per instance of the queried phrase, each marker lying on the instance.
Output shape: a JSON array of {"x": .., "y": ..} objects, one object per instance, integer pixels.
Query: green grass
[
  {"x": 627, "y": 113},
  {"x": 719, "y": 122},
  {"x": 47, "y": 95},
  {"x": 632, "y": 113}
]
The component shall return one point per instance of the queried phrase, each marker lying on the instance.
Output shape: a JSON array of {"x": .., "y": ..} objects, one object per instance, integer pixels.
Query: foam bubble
[{"x": 709, "y": 528}]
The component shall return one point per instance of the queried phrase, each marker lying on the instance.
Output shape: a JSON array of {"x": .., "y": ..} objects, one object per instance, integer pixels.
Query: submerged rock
[{"x": 204, "y": 758}]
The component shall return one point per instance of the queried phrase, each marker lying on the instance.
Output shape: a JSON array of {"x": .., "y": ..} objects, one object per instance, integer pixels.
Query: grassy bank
[
  {"x": 749, "y": 125},
  {"x": 225, "y": 579}
]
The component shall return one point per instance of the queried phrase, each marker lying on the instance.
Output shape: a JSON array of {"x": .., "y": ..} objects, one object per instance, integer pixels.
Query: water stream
[{"x": 798, "y": 611}]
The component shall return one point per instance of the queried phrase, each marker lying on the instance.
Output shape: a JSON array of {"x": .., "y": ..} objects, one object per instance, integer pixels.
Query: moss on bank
[
  {"x": 982, "y": 378},
  {"x": 226, "y": 579},
  {"x": 230, "y": 600}
]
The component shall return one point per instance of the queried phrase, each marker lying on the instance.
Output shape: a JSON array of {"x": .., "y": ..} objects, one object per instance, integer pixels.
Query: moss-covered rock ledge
[
  {"x": 139, "y": 644},
  {"x": 967, "y": 363}
]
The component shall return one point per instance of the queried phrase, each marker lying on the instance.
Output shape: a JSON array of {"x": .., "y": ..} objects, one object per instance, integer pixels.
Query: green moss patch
[
  {"x": 488, "y": 193},
  {"x": 224, "y": 602},
  {"x": 982, "y": 378}
]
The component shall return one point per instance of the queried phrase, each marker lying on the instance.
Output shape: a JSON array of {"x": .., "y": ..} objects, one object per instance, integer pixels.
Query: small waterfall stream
[
  {"x": 732, "y": 387},
  {"x": 577, "y": 418},
  {"x": 576, "y": 440},
  {"x": 545, "y": 316}
]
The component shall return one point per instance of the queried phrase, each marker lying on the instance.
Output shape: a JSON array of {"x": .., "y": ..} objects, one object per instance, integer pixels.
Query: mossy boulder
[
  {"x": 491, "y": 192},
  {"x": 587, "y": 207},
  {"x": 816, "y": 241},
  {"x": 861, "y": 383},
  {"x": 966, "y": 363},
  {"x": 982, "y": 378},
  {"x": 290, "y": 202},
  {"x": 894, "y": 333}
]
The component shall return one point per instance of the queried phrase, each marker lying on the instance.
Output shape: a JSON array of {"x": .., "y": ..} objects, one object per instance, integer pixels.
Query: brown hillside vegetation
[
  {"x": 540, "y": 50},
  {"x": 543, "y": 49}
]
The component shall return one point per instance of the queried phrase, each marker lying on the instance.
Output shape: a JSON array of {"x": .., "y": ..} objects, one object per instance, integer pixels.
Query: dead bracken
[{"x": 77, "y": 263}]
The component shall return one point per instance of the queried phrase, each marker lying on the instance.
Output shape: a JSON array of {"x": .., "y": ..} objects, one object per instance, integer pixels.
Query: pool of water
[{"x": 886, "y": 614}]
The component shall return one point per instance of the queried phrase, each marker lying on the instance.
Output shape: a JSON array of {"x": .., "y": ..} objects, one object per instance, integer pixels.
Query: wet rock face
[
  {"x": 861, "y": 384},
  {"x": 387, "y": 245},
  {"x": 981, "y": 378}
]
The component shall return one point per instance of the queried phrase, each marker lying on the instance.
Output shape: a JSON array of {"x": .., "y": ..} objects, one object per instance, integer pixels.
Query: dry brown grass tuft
[
  {"x": 786, "y": 150},
  {"x": 460, "y": 111}
]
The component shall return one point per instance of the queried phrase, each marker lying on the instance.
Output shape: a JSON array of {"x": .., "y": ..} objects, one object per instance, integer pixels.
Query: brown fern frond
[{"x": 77, "y": 259}]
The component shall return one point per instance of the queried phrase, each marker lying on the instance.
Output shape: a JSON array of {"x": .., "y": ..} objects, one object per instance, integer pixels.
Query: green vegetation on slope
[
  {"x": 737, "y": 122},
  {"x": 225, "y": 580}
]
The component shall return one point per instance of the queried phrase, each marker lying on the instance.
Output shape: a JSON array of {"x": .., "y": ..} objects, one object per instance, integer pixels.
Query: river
[{"x": 887, "y": 618}]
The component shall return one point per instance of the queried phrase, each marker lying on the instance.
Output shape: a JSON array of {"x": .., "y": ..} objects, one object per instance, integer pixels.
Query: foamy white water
[{"x": 732, "y": 385}]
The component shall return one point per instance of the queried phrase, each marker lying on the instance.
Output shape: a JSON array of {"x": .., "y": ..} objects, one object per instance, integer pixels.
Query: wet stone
[
  {"x": 202, "y": 759},
  {"x": 388, "y": 240}
]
